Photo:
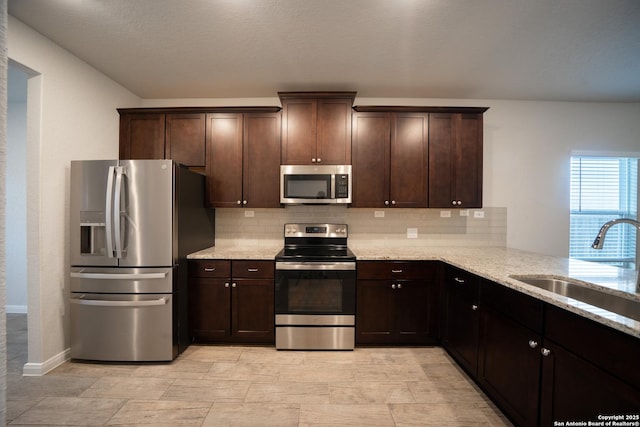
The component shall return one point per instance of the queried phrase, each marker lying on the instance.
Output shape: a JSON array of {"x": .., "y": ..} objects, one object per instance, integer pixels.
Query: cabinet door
[
  {"x": 509, "y": 367},
  {"x": 461, "y": 319},
  {"x": 142, "y": 136},
  {"x": 375, "y": 312},
  {"x": 333, "y": 131},
  {"x": 409, "y": 157},
  {"x": 185, "y": 139},
  {"x": 253, "y": 318},
  {"x": 224, "y": 160},
  {"x": 261, "y": 160},
  {"x": 573, "y": 389},
  {"x": 299, "y": 117},
  {"x": 416, "y": 319},
  {"x": 455, "y": 160},
  {"x": 371, "y": 142},
  {"x": 209, "y": 309},
  {"x": 441, "y": 161},
  {"x": 468, "y": 180}
]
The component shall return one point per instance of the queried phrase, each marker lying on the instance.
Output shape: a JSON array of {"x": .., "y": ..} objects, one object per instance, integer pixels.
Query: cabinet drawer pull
[
  {"x": 252, "y": 270},
  {"x": 209, "y": 269},
  {"x": 459, "y": 280},
  {"x": 396, "y": 271}
]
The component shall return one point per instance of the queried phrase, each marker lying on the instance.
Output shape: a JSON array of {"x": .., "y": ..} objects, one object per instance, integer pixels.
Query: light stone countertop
[{"x": 495, "y": 264}]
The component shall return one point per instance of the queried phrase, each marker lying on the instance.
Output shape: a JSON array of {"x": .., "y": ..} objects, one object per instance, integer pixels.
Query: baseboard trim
[
  {"x": 15, "y": 309},
  {"x": 40, "y": 369}
]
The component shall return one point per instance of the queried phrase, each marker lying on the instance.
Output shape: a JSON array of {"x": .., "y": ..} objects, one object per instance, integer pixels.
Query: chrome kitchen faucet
[{"x": 599, "y": 241}]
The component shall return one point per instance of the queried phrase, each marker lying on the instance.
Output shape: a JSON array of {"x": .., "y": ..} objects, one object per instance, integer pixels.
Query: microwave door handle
[
  {"x": 333, "y": 186},
  {"x": 108, "y": 212},
  {"x": 116, "y": 211}
]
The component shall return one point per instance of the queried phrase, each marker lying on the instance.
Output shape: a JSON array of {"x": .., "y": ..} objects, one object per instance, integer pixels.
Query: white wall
[{"x": 75, "y": 118}]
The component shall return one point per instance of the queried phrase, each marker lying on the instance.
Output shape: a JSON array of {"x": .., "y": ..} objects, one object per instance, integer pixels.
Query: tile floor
[{"x": 250, "y": 386}]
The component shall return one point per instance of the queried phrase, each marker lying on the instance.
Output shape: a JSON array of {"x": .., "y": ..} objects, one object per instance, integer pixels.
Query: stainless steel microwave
[{"x": 315, "y": 184}]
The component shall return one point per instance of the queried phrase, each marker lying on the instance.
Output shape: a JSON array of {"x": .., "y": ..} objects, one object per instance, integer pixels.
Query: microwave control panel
[{"x": 342, "y": 186}]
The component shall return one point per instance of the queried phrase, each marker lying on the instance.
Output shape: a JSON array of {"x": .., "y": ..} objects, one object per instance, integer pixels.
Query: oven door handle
[{"x": 315, "y": 265}]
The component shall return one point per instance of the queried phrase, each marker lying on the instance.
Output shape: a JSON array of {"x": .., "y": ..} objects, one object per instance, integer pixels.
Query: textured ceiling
[{"x": 566, "y": 50}]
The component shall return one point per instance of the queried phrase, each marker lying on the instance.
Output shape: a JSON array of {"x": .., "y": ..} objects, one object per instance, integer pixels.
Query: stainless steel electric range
[{"x": 315, "y": 290}]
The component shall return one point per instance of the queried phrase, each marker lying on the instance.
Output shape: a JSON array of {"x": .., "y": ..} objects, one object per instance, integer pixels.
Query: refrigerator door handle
[
  {"x": 108, "y": 212},
  {"x": 119, "y": 276},
  {"x": 116, "y": 210},
  {"x": 103, "y": 303}
]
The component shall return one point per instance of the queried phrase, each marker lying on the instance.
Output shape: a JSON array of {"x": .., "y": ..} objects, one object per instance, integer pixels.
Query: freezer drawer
[{"x": 122, "y": 327}]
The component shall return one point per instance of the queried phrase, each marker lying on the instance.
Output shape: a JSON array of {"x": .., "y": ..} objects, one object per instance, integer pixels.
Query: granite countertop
[{"x": 495, "y": 264}]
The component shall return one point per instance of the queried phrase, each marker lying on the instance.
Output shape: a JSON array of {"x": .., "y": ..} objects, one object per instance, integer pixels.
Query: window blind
[{"x": 602, "y": 189}]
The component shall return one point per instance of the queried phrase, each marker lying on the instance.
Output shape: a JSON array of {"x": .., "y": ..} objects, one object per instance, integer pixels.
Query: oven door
[{"x": 325, "y": 291}]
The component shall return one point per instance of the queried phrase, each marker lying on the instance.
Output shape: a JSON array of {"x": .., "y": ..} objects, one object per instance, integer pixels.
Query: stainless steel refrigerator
[{"x": 133, "y": 222}]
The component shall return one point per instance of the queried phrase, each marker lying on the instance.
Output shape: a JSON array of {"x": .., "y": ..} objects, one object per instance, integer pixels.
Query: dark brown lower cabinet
[
  {"x": 461, "y": 323},
  {"x": 575, "y": 390},
  {"x": 397, "y": 303},
  {"x": 231, "y": 301},
  {"x": 509, "y": 366}
]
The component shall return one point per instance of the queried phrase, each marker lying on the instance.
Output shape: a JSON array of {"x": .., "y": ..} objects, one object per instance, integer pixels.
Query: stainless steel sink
[{"x": 576, "y": 290}]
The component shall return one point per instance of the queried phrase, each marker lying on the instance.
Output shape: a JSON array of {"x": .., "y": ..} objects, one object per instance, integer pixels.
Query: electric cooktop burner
[{"x": 315, "y": 242}]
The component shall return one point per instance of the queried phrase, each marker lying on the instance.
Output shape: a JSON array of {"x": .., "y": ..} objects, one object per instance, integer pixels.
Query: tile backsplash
[{"x": 472, "y": 227}]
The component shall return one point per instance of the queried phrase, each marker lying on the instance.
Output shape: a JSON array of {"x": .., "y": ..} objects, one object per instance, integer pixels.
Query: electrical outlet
[
  {"x": 412, "y": 233},
  {"x": 478, "y": 214},
  {"x": 445, "y": 214},
  {"x": 249, "y": 214},
  {"x": 464, "y": 212},
  {"x": 378, "y": 214}
]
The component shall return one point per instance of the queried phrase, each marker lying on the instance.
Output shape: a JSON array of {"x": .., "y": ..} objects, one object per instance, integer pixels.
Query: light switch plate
[
  {"x": 445, "y": 214},
  {"x": 412, "y": 233}
]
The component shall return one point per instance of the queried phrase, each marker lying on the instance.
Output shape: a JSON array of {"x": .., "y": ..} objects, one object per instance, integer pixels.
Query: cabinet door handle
[
  {"x": 244, "y": 202},
  {"x": 533, "y": 344},
  {"x": 474, "y": 307},
  {"x": 459, "y": 280},
  {"x": 226, "y": 285},
  {"x": 238, "y": 202},
  {"x": 399, "y": 285},
  {"x": 209, "y": 269},
  {"x": 545, "y": 351},
  {"x": 393, "y": 286},
  {"x": 319, "y": 160},
  {"x": 233, "y": 285},
  {"x": 393, "y": 202},
  {"x": 313, "y": 160},
  {"x": 252, "y": 270},
  {"x": 386, "y": 202}
]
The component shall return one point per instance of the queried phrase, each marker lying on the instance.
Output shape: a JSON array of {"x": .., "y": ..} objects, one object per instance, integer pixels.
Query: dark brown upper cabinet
[
  {"x": 142, "y": 135},
  {"x": 159, "y": 134},
  {"x": 243, "y": 164},
  {"x": 455, "y": 160},
  {"x": 316, "y": 127},
  {"x": 390, "y": 159}
]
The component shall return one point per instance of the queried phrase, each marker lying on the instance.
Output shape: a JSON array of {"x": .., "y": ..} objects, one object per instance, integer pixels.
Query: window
[{"x": 602, "y": 189}]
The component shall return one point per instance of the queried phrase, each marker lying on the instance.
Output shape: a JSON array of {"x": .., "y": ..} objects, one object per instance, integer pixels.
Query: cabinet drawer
[
  {"x": 248, "y": 269},
  {"x": 522, "y": 308},
  {"x": 396, "y": 270},
  {"x": 210, "y": 268}
]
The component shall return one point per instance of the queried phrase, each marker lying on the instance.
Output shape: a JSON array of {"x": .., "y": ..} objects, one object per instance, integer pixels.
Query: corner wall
[{"x": 72, "y": 115}]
